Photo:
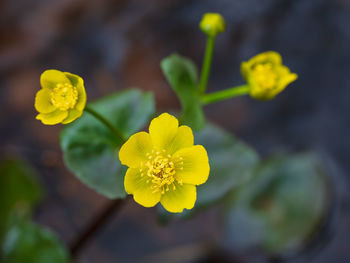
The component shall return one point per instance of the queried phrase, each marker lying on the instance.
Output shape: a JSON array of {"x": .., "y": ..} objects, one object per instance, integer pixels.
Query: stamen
[
  {"x": 161, "y": 171},
  {"x": 64, "y": 96}
]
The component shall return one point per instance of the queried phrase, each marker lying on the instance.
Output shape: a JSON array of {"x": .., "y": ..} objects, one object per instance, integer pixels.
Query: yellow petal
[
  {"x": 266, "y": 57},
  {"x": 195, "y": 168},
  {"x": 256, "y": 91},
  {"x": 134, "y": 150},
  {"x": 163, "y": 130},
  {"x": 182, "y": 139},
  {"x": 78, "y": 82},
  {"x": 245, "y": 69},
  {"x": 42, "y": 101},
  {"x": 50, "y": 78},
  {"x": 53, "y": 117},
  {"x": 175, "y": 201},
  {"x": 138, "y": 186},
  {"x": 73, "y": 114},
  {"x": 285, "y": 78}
]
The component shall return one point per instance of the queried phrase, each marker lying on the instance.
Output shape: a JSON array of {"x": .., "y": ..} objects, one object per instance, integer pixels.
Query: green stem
[
  {"x": 206, "y": 64},
  {"x": 102, "y": 119},
  {"x": 225, "y": 94}
]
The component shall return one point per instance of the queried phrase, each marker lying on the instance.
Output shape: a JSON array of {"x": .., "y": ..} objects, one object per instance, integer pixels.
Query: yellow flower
[
  {"x": 212, "y": 24},
  {"x": 62, "y": 97},
  {"x": 164, "y": 165},
  {"x": 266, "y": 75}
]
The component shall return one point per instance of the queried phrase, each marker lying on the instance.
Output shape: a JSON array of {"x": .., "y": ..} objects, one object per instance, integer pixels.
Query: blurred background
[{"x": 116, "y": 44}]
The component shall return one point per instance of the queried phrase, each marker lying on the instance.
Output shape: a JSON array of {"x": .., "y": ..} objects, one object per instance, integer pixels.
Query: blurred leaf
[
  {"x": 91, "y": 150},
  {"x": 29, "y": 243},
  {"x": 281, "y": 207},
  {"x": 232, "y": 164},
  {"x": 181, "y": 74},
  {"x": 19, "y": 190}
]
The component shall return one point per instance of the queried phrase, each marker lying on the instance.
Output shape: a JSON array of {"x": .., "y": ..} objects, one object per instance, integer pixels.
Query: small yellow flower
[
  {"x": 62, "y": 97},
  {"x": 212, "y": 24},
  {"x": 164, "y": 165},
  {"x": 266, "y": 75}
]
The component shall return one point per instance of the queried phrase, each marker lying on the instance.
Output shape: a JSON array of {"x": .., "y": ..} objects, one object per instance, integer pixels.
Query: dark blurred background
[{"x": 118, "y": 44}]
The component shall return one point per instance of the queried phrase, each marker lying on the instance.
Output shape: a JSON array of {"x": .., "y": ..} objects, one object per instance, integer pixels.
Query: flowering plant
[{"x": 184, "y": 162}]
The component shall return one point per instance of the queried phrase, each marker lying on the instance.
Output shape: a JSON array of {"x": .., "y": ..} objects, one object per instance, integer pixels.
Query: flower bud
[
  {"x": 212, "y": 24},
  {"x": 266, "y": 75}
]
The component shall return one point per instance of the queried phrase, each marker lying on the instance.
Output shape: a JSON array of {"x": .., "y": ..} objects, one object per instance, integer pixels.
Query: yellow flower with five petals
[
  {"x": 61, "y": 99},
  {"x": 164, "y": 165},
  {"x": 266, "y": 75}
]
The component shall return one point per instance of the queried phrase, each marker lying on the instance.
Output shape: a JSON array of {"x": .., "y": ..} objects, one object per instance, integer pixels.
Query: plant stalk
[
  {"x": 206, "y": 64},
  {"x": 102, "y": 119},
  {"x": 99, "y": 221},
  {"x": 225, "y": 94}
]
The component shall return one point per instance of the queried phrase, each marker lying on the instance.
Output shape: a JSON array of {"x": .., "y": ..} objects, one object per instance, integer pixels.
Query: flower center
[
  {"x": 265, "y": 75},
  {"x": 64, "y": 96},
  {"x": 161, "y": 170}
]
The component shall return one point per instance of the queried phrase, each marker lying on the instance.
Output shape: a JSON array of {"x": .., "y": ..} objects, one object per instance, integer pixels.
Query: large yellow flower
[
  {"x": 266, "y": 75},
  {"x": 62, "y": 97},
  {"x": 164, "y": 165}
]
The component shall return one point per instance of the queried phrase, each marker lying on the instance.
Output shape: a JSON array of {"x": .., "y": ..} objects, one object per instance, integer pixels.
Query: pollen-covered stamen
[
  {"x": 64, "y": 96},
  {"x": 161, "y": 169},
  {"x": 265, "y": 75}
]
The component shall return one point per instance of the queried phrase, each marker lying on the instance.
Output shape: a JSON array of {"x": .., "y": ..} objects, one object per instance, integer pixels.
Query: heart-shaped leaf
[
  {"x": 232, "y": 164},
  {"x": 281, "y": 207},
  {"x": 181, "y": 74},
  {"x": 91, "y": 150}
]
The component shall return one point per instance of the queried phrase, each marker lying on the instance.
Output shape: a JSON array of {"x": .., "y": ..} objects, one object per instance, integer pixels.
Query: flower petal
[
  {"x": 53, "y": 117},
  {"x": 285, "y": 76},
  {"x": 43, "y": 101},
  {"x": 140, "y": 187},
  {"x": 195, "y": 168},
  {"x": 184, "y": 196},
  {"x": 163, "y": 130},
  {"x": 265, "y": 57},
  {"x": 50, "y": 78},
  {"x": 134, "y": 150},
  {"x": 182, "y": 139},
  {"x": 73, "y": 114},
  {"x": 78, "y": 82}
]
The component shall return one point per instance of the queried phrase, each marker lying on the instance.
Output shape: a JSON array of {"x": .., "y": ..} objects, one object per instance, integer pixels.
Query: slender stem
[
  {"x": 206, "y": 64},
  {"x": 225, "y": 94},
  {"x": 105, "y": 122},
  {"x": 94, "y": 226}
]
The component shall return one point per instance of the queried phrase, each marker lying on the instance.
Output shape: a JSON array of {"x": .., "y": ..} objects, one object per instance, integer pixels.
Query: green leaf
[
  {"x": 232, "y": 164},
  {"x": 19, "y": 190},
  {"x": 181, "y": 74},
  {"x": 90, "y": 149},
  {"x": 281, "y": 207},
  {"x": 30, "y": 243}
]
